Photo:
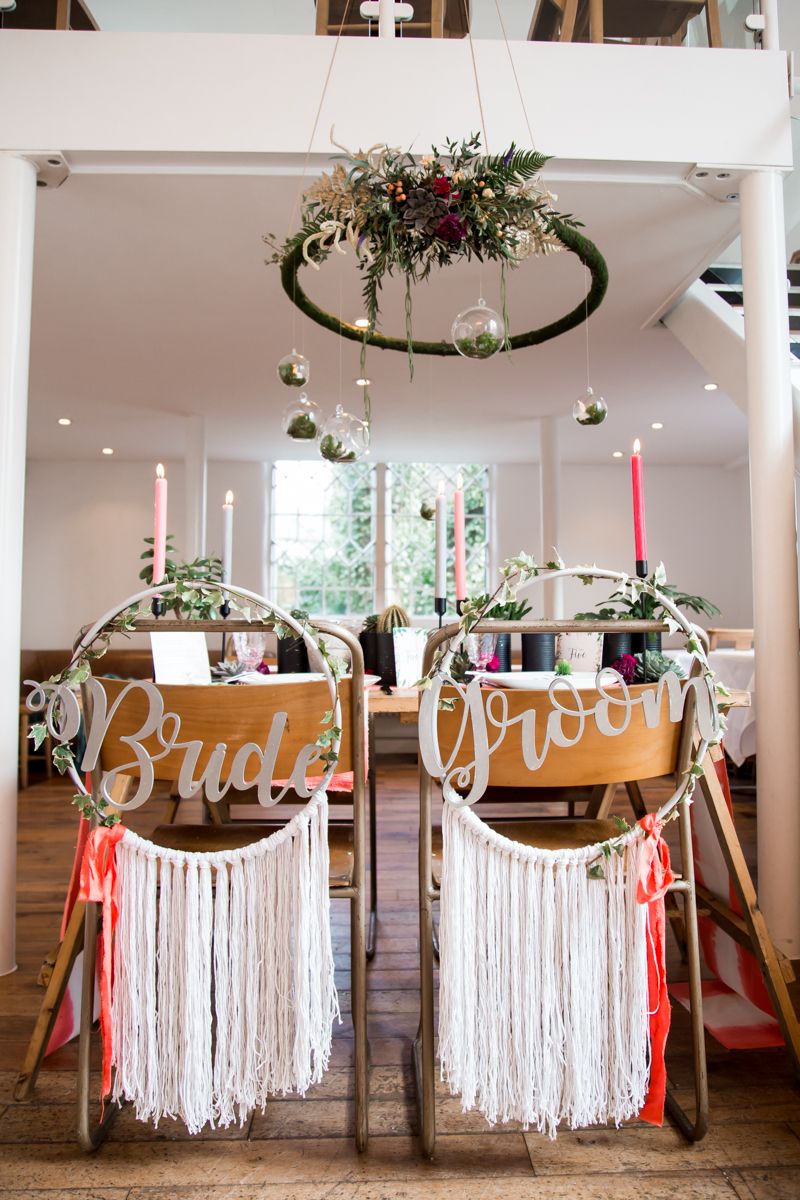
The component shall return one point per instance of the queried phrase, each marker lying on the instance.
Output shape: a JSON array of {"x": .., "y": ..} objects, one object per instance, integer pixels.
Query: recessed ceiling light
[
  {"x": 616, "y": 454},
  {"x": 710, "y": 387},
  {"x": 64, "y": 421},
  {"x": 657, "y": 425},
  {"x": 107, "y": 450},
  {"x": 363, "y": 382},
  {"x": 361, "y": 323}
]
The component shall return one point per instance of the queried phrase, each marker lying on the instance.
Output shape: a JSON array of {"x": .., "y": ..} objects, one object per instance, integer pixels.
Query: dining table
[{"x": 736, "y": 669}]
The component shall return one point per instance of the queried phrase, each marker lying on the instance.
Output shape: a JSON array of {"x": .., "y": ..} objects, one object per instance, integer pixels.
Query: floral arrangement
[{"x": 407, "y": 215}]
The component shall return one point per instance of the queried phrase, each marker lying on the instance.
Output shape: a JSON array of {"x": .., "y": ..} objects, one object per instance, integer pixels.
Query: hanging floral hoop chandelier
[{"x": 406, "y": 217}]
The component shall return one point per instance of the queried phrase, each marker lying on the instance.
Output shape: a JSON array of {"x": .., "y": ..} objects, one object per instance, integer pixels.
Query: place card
[
  {"x": 180, "y": 658},
  {"x": 583, "y": 651}
]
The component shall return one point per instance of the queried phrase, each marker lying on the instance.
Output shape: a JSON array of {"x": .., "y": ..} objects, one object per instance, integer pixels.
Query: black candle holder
[
  {"x": 440, "y": 607},
  {"x": 158, "y": 607},
  {"x": 641, "y": 568}
]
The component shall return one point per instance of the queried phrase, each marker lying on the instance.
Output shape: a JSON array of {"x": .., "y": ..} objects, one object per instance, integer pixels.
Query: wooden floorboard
[{"x": 302, "y": 1149}]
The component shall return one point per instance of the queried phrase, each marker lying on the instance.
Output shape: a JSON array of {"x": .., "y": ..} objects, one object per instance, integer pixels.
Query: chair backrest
[
  {"x": 740, "y": 639},
  {"x": 637, "y": 753},
  {"x": 231, "y": 713}
]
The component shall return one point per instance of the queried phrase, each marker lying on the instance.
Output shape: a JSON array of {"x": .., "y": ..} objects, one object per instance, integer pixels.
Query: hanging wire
[
  {"x": 587, "y": 279},
  {"x": 475, "y": 74},
  {"x": 514, "y": 73},
  {"x": 307, "y": 157}
]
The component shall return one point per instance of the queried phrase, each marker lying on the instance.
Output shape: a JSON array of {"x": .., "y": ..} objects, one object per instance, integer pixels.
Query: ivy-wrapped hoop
[{"x": 572, "y": 240}]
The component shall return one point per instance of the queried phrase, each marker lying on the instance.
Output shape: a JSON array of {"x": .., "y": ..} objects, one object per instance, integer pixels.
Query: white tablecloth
[{"x": 736, "y": 669}]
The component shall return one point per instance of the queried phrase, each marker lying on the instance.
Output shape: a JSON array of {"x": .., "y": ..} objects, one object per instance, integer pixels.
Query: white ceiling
[{"x": 152, "y": 301}]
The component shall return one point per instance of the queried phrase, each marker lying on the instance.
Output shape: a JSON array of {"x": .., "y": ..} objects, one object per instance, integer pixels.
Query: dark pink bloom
[
  {"x": 263, "y": 668},
  {"x": 450, "y": 229},
  {"x": 441, "y": 185},
  {"x": 493, "y": 664},
  {"x": 626, "y": 667}
]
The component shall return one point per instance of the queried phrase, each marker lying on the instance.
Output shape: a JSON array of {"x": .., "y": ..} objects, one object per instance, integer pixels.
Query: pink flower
[
  {"x": 493, "y": 664},
  {"x": 441, "y": 185},
  {"x": 626, "y": 667},
  {"x": 263, "y": 668}
]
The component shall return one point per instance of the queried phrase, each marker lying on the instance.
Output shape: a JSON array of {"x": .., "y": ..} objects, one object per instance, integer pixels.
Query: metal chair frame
[{"x": 693, "y": 1128}]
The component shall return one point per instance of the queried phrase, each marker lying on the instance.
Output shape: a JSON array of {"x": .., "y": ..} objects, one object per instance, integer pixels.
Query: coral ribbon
[
  {"x": 99, "y": 883},
  {"x": 655, "y": 876}
]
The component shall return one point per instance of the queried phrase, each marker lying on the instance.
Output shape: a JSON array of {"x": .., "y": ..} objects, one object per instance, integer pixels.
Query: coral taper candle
[
  {"x": 639, "y": 531},
  {"x": 227, "y": 537},
  {"x": 460, "y": 540},
  {"x": 440, "y": 584},
  {"x": 160, "y": 527}
]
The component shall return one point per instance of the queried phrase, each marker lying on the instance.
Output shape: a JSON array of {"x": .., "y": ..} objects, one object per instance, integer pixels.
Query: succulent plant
[
  {"x": 334, "y": 451},
  {"x": 563, "y": 667},
  {"x": 427, "y": 511},
  {"x": 393, "y": 617},
  {"x": 371, "y": 623},
  {"x": 302, "y": 428},
  {"x": 483, "y": 346},
  {"x": 653, "y": 665},
  {"x": 423, "y": 210}
]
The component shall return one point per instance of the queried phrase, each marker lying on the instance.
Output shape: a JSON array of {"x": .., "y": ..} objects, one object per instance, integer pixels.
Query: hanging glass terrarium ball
[
  {"x": 478, "y": 332},
  {"x": 343, "y": 438},
  {"x": 294, "y": 370},
  {"x": 302, "y": 419},
  {"x": 590, "y": 409}
]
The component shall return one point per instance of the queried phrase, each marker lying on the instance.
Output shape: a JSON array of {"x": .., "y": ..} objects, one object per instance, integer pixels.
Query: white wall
[
  {"x": 84, "y": 524},
  {"x": 698, "y": 523}
]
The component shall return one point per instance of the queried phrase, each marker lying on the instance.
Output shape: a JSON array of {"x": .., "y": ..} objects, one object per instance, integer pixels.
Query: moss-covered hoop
[{"x": 574, "y": 241}]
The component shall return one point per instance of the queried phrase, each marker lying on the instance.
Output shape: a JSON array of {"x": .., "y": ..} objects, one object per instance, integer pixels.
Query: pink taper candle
[
  {"x": 460, "y": 540},
  {"x": 160, "y": 526},
  {"x": 637, "y": 482}
]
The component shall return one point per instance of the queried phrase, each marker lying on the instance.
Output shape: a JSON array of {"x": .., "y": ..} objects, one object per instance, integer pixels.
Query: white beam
[
  {"x": 17, "y": 215},
  {"x": 550, "y": 509},
  {"x": 227, "y": 95},
  {"x": 774, "y": 541}
]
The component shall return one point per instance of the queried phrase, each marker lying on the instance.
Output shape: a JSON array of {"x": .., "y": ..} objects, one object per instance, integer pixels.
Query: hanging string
[
  {"x": 475, "y": 74},
  {"x": 514, "y": 73},
  {"x": 587, "y": 281},
  {"x": 307, "y": 157}
]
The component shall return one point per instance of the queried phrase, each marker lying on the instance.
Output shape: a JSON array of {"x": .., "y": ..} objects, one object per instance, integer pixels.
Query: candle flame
[
  {"x": 440, "y": 488},
  {"x": 459, "y": 481},
  {"x": 637, "y": 447},
  {"x": 160, "y": 471},
  {"x": 229, "y": 497}
]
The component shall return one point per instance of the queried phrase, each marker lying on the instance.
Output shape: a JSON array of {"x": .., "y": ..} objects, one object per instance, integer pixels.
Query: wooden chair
[
  {"x": 238, "y": 715},
  {"x": 741, "y": 639},
  {"x": 604, "y": 762},
  {"x": 432, "y": 18},
  {"x": 622, "y": 20}
]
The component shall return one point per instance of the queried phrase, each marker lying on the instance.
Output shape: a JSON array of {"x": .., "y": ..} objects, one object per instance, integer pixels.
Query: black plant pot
[
  {"x": 645, "y": 641},
  {"x": 369, "y": 646},
  {"x": 502, "y": 651},
  {"x": 538, "y": 651},
  {"x": 292, "y": 656},
  {"x": 615, "y": 645},
  {"x": 384, "y": 659}
]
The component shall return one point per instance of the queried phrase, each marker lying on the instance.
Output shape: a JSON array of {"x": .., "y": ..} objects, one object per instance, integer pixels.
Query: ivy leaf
[
  {"x": 37, "y": 733},
  {"x": 621, "y": 824},
  {"x": 595, "y": 871},
  {"x": 446, "y": 705}
]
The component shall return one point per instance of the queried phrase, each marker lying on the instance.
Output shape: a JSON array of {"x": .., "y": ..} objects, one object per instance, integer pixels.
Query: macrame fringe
[
  {"x": 543, "y": 1003},
  {"x": 224, "y": 990}
]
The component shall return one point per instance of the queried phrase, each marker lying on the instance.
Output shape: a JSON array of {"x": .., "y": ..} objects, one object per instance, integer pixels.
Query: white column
[
  {"x": 550, "y": 509},
  {"x": 196, "y": 484},
  {"x": 386, "y": 18},
  {"x": 17, "y": 214},
  {"x": 774, "y": 536},
  {"x": 770, "y": 39}
]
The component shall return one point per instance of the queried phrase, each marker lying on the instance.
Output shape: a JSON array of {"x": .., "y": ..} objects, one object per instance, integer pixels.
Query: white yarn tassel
[
  {"x": 221, "y": 1000},
  {"x": 543, "y": 980}
]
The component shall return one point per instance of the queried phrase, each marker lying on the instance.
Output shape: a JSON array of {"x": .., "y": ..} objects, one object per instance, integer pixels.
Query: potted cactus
[
  {"x": 393, "y": 617},
  {"x": 369, "y": 643}
]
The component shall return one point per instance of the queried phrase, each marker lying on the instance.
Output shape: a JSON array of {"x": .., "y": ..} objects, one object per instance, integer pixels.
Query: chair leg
[
  {"x": 692, "y": 1128},
  {"x": 54, "y": 994},
  {"x": 358, "y": 1004},
  {"x": 424, "y": 1044},
  {"x": 90, "y": 1135},
  {"x": 372, "y": 779}
]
